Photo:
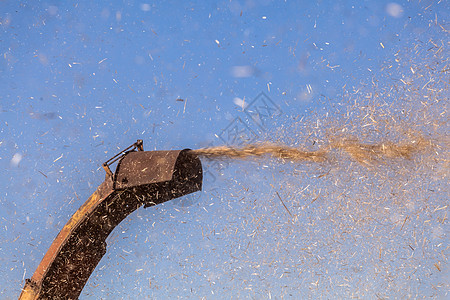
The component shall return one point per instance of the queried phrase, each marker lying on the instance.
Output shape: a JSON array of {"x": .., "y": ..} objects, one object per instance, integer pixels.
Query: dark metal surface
[
  {"x": 135, "y": 170},
  {"x": 141, "y": 178}
]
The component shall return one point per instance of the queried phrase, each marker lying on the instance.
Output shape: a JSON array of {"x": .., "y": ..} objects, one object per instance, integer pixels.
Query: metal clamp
[{"x": 139, "y": 145}]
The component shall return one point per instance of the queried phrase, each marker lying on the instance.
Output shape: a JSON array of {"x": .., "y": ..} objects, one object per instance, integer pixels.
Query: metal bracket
[{"x": 139, "y": 145}]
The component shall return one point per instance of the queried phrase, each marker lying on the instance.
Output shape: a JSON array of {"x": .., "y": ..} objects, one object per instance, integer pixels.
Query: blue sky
[{"x": 80, "y": 81}]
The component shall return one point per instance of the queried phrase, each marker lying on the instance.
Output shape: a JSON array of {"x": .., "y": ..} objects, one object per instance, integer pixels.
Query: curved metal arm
[{"x": 141, "y": 178}]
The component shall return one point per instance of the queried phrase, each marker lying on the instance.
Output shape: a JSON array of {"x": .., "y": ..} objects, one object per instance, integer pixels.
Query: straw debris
[{"x": 363, "y": 153}]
